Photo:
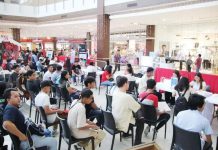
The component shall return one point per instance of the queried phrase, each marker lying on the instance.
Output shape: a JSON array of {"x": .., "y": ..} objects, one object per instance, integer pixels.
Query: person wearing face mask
[{"x": 198, "y": 83}]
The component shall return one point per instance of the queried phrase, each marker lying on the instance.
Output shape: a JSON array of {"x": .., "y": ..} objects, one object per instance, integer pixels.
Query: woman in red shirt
[{"x": 107, "y": 77}]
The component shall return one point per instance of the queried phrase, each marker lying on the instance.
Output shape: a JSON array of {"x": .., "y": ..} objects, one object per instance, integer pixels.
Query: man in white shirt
[
  {"x": 91, "y": 68},
  {"x": 48, "y": 74},
  {"x": 43, "y": 100},
  {"x": 193, "y": 120},
  {"x": 142, "y": 83},
  {"x": 123, "y": 107},
  {"x": 79, "y": 126}
]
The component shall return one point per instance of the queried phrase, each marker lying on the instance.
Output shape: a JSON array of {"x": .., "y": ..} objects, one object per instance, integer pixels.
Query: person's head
[
  {"x": 16, "y": 68},
  {"x": 86, "y": 96},
  {"x": 76, "y": 63},
  {"x": 91, "y": 63},
  {"x": 199, "y": 55},
  {"x": 150, "y": 72},
  {"x": 31, "y": 75},
  {"x": 151, "y": 84},
  {"x": 122, "y": 82},
  {"x": 65, "y": 75},
  {"x": 59, "y": 68},
  {"x": 164, "y": 47},
  {"x": 50, "y": 68},
  {"x": 176, "y": 74},
  {"x": 12, "y": 96},
  {"x": 183, "y": 84},
  {"x": 196, "y": 102},
  {"x": 46, "y": 86},
  {"x": 118, "y": 51},
  {"x": 198, "y": 77},
  {"x": 109, "y": 69},
  {"x": 107, "y": 62},
  {"x": 90, "y": 82},
  {"x": 129, "y": 69}
]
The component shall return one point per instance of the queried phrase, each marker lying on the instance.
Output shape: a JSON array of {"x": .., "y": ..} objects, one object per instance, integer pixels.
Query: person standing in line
[
  {"x": 117, "y": 58},
  {"x": 198, "y": 63},
  {"x": 189, "y": 62}
]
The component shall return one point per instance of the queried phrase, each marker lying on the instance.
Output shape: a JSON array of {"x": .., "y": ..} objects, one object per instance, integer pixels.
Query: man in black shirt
[
  {"x": 14, "y": 123},
  {"x": 77, "y": 72},
  {"x": 92, "y": 110},
  {"x": 14, "y": 76},
  {"x": 32, "y": 84}
]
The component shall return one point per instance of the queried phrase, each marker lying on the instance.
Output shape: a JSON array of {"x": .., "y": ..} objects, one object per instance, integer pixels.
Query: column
[
  {"x": 103, "y": 33},
  {"x": 88, "y": 41},
  {"x": 55, "y": 43},
  {"x": 151, "y": 38},
  {"x": 16, "y": 34}
]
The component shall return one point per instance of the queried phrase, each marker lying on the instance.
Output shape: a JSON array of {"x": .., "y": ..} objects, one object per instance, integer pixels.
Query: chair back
[
  {"x": 92, "y": 74},
  {"x": 109, "y": 99},
  {"x": 7, "y": 77},
  {"x": 187, "y": 140},
  {"x": 149, "y": 113},
  {"x": 64, "y": 129},
  {"x": 2, "y": 78},
  {"x": 15, "y": 140},
  {"x": 53, "y": 101},
  {"x": 43, "y": 115},
  {"x": 109, "y": 121},
  {"x": 65, "y": 94}
]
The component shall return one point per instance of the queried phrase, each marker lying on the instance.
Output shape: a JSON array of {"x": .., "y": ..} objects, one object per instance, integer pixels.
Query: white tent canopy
[{"x": 2, "y": 39}]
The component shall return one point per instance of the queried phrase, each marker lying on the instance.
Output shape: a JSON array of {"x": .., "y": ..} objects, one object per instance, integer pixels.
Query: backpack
[{"x": 181, "y": 103}]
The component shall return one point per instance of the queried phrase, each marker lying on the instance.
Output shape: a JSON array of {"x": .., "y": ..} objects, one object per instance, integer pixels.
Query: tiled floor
[{"x": 126, "y": 143}]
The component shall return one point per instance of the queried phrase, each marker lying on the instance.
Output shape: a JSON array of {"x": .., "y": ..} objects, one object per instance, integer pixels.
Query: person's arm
[
  {"x": 10, "y": 127},
  {"x": 88, "y": 126},
  {"x": 49, "y": 111},
  {"x": 208, "y": 139},
  {"x": 71, "y": 90}
]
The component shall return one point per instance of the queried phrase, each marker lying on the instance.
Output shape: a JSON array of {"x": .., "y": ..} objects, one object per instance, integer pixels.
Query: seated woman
[
  {"x": 66, "y": 86},
  {"x": 129, "y": 73},
  {"x": 198, "y": 83},
  {"x": 182, "y": 88},
  {"x": 174, "y": 80},
  {"x": 107, "y": 77}
]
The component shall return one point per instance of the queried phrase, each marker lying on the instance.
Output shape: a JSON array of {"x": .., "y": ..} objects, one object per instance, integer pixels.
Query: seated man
[
  {"x": 43, "y": 99},
  {"x": 32, "y": 83},
  {"x": 80, "y": 127},
  {"x": 48, "y": 74},
  {"x": 14, "y": 123},
  {"x": 192, "y": 120},
  {"x": 13, "y": 77},
  {"x": 92, "y": 110},
  {"x": 123, "y": 107},
  {"x": 77, "y": 72},
  {"x": 150, "y": 96}
]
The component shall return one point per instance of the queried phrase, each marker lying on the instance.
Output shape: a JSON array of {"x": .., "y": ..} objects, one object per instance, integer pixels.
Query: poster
[{"x": 49, "y": 54}]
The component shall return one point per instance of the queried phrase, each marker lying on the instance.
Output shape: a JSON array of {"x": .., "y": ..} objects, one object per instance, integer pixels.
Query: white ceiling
[{"x": 121, "y": 23}]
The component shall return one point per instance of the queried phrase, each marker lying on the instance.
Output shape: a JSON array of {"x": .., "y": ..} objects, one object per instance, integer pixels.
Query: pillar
[
  {"x": 103, "y": 33},
  {"x": 150, "y": 38},
  {"x": 88, "y": 41},
  {"x": 16, "y": 34},
  {"x": 55, "y": 43}
]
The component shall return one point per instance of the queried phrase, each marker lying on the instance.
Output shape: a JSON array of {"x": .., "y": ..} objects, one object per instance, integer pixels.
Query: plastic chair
[
  {"x": 150, "y": 117},
  {"x": 65, "y": 95},
  {"x": 186, "y": 140},
  {"x": 65, "y": 133},
  {"x": 32, "y": 102},
  {"x": 44, "y": 118},
  {"x": 110, "y": 127},
  {"x": 109, "y": 102}
]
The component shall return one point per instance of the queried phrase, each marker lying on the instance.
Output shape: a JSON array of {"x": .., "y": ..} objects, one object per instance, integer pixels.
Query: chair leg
[
  {"x": 30, "y": 108},
  {"x": 59, "y": 105},
  {"x": 132, "y": 136},
  {"x": 112, "y": 144},
  {"x": 59, "y": 145},
  {"x": 65, "y": 105},
  {"x": 165, "y": 131},
  {"x": 154, "y": 133},
  {"x": 120, "y": 136},
  {"x": 93, "y": 144},
  {"x": 69, "y": 146}
]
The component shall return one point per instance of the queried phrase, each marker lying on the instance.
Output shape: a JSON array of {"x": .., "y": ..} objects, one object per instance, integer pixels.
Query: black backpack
[{"x": 181, "y": 103}]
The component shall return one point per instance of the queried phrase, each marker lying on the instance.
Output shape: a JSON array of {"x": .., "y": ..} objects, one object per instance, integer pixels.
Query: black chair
[
  {"x": 99, "y": 86},
  {"x": 2, "y": 78},
  {"x": 32, "y": 102},
  {"x": 44, "y": 118},
  {"x": 109, "y": 99},
  {"x": 110, "y": 127},
  {"x": 65, "y": 95},
  {"x": 65, "y": 133},
  {"x": 186, "y": 140},
  {"x": 7, "y": 77},
  {"x": 92, "y": 74},
  {"x": 150, "y": 117},
  {"x": 58, "y": 93},
  {"x": 53, "y": 101}
]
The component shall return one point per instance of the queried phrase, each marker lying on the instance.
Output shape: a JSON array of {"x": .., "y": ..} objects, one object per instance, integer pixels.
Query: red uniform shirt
[{"x": 151, "y": 97}]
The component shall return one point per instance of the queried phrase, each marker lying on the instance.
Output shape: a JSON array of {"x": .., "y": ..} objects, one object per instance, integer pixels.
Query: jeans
[
  {"x": 98, "y": 115},
  {"x": 197, "y": 70},
  {"x": 169, "y": 98},
  {"x": 107, "y": 83},
  {"x": 139, "y": 129},
  {"x": 117, "y": 67},
  {"x": 81, "y": 76},
  {"x": 39, "y": 141}
]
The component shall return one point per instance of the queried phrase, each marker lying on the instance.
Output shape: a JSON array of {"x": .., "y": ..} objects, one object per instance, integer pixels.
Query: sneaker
[{"x": 147, "y": 131}]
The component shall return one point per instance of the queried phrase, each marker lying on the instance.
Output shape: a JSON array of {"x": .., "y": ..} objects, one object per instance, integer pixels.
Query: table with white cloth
[
  {"x": 99, "y": 72},
  {"x": 165, "y": 85}
]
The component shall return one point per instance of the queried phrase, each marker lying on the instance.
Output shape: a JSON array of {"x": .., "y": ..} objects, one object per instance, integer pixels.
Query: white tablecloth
[{"x": 165, "y": 86}]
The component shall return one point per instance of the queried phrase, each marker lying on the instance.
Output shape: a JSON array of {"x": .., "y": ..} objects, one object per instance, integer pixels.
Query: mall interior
[{"x": 109, "y": 74}]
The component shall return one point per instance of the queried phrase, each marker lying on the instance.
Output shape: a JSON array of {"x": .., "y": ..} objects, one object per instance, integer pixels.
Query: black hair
[
  {"x": 150, "y": 69},
  {"x": 151, "y": 83},
  {"x": 51, "y": 65},
  {"x": 107, "y": 62},
  {"x": 59, "y": 67},
  {"x": 86, "y": 93},
  {"x": 182, "y": 85},
  {"x": 201, "y": 79},
  {"x": 45, "y": 84},
  {"x": 89, "y": 80},
  {"x": 196, "y": 101},
  {"x": 63, "y": 74},
  {"x": 130, "y": 69},
  {"x": 121, "y": 80},
  {"x": 199, "y": 55},
  {"x": 177, "y": 74},
  {"x": 15, "y": 66},
  {"x": 29, "y": 73},
  {"x": 109, "y": 69},
  {"x": 91, "y": 63},
  {"x": 7, "y": 93}
]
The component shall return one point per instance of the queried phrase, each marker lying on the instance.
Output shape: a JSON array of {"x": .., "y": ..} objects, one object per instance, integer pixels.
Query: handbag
[{"x": 34, "y": 128}]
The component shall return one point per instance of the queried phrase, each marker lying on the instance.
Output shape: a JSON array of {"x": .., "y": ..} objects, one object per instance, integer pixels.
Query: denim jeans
[
  {"x": 98, "y": 115},
  {"x": 107, "y": 83},
  {"x": 81, "y": 78},
  {"x": 39, "y": 141}
]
